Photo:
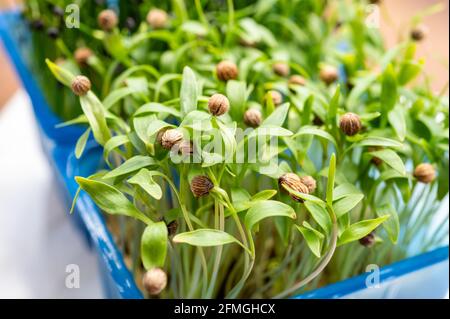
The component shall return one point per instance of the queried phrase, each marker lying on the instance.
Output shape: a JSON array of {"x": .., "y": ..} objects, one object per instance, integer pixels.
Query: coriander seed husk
[
  {"x": 425, "y": 173},
  {"x": 227, "y": 70},
  {"x": 82, "y": 56},
  {"x": 294, "y": 182},
  {"x": 310, "y": 182},
  {"x": 53, "y": 33},
  {"x": 107, "y": 20},
  {"x": 201, "y": 186},
  {"x": 276, "y": 96},
  {"x": 172, "y": 227},
  {"x": 328, "y": 74},
  {"x": 185, "y": 147},
  {"x": 419, "y": 33},
  {"x": 157, "y": 18},
  {"x": 170, "y": 138},
  {"x": 368, "y": 240},
  {"x": 218, "y": 104},
  {"x": 155, "y": 280},
  {"x": 281, "y": 68},
  {"x": 375, "y": 160},
  {"x": 81, "y": 85},
  {"x": 252, "y": 117},
  {"x": 297, "y": 80},
  {"x": 350, "y": 124}
]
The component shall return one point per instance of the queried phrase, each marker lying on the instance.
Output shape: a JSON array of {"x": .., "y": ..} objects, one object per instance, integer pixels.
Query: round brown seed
[
  {"x": 157, "y": 18},
  {"x": 350, "y": 124},
  {"x": 328, "y": 74},
  {"x": 201, "y": 186},
  {"x": 252, "y": 117},
  {"x": 218, "y": 104},
  {"x": 294, "y": 182},
  {"x": 281, "y": 68},
  {"x": 155, "y": 280},
  {"x": 82, "y": 56},
  {"x": 297, "y": 80},
  {"x": 81, "y": 85},
  {"x": 227, "y": 70},
  {"x": 107, "y": 20},
  {"x": 310, "y": 182},
  {"x": 425, "y": 173},
  {"x": 170, "y": 138},
  {"x": 276, "y": 96}
]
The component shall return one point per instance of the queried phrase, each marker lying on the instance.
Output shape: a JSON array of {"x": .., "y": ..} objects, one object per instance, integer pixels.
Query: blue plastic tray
[{"x": 117, "y": 280}]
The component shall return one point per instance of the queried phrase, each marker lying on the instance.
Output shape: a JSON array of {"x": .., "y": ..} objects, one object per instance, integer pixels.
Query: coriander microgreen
[{"x": 202, "y": 113}]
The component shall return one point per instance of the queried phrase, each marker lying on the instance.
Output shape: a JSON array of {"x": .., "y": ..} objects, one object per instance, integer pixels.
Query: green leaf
[
  {"x": 409, "y": 70},
  {"x": 346, "y": 204},
  {"x": 378, "y": 141},
  {"x": 237, "y": 94},
  {"x": 360, "y": 229},
  {"x": 312, "y": 130},
  {"x": 156, "y": 108},
  {"x": 277, "y": 117},
  {"x": 305, "y": 197},
  {"x": 144, "y": 179},
  {"x": 392, "y": 159},
  {"x": 344, "y": 190},
  {"x": 397, "y": 120},
  {"x": 391, "y": 174},
  {"x": 313, "y": 238},
  {"x": 264, "y": 195},
  {"x": 388, "y": 89},
  {"x": 62, "y": 75},
  {"x": 332, "y": 110},
  {"x": 154, "y": 245},
  {"x": 269, "y": 130},
  {"x": 392, "y": 224},
  {"x": 267, "y": 208},
  {"x": 113, "y": 143},
  {"x": 330, "y": 182},
  {"x": 206, "y": 238},
  {"x": 188, "y": 92},
  {"x": 133, "y": 164},
  {"x": 110, "y": 199},
  {"x": 320, "y": 215},
  {"x": 95, "y": 113},
  {"x": 116, "y": 95},
  {"x": 81, "y": 143}
]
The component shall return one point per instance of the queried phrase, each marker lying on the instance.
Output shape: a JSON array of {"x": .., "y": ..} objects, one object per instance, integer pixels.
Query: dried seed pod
[
  {"x": 37, "y": 24},
  {"x": 328, "y": 74},
  {"x": 310, "y": 182},
  {"x": 82, "y": 56},
  {"x": 294, "y": 182},
  {"x": 227, "y": 70},
  {"x": 160, "y": 134},
  {"x": 425, "y": 173},
  {"x": 157, "y": 18},
  {"x": 419, "y": 33},
  {"x": 368, "y": 240},
  {"x": 130, "y": 23},
  {"x": 53, "y": 33},
  {"x": 185, "y": 147},
  {"x": 172, "y": 227},
  {"x": 170, "y": 138},
  {"x": 201, "y": 186},
  {"x": 218, "y": 104},
  {"x": 252, "y": 117},
  {"x": 297, "y": 80},
  {"x": 107, "y": 20},
  {"x": 281, "y": 68},
  {"x": 375, "y": 160},
  {"x": 276, "y": 96},
  {"x": 317, "y": 120},
  {"x": 350, "y": 124},
  {"x": 155, "y": 280},
  {"x": 81, "y": 85},
  {"x": 58, "y": 11}
]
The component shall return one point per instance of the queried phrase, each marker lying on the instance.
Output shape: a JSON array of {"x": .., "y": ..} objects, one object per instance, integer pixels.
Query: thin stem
[{"x": 322, "y": 264}]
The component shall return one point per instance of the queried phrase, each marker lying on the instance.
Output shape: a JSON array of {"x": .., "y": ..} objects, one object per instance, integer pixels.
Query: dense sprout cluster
[{"x": 350, "y": 140}]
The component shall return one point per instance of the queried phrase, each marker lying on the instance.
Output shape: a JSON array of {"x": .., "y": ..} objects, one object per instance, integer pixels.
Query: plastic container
[{"x": 423, "y": 276}]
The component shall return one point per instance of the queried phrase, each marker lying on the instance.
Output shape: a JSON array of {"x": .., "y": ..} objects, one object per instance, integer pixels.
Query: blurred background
[{"x": 37, "y": 240}]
